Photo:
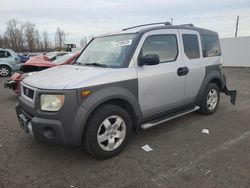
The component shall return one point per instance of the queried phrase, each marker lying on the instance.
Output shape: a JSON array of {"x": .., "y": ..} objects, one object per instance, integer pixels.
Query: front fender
[{"x": 125, "y": 90}]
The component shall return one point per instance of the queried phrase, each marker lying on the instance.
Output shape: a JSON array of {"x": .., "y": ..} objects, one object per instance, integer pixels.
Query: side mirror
[{"x": 149, "y": 59}]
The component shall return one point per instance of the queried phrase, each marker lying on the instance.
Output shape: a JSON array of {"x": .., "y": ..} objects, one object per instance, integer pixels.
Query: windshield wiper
[{"x": 96, "y": 64}]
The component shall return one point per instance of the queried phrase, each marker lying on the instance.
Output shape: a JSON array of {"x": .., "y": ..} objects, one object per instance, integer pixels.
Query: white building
[{"x": 236, "y": 51}]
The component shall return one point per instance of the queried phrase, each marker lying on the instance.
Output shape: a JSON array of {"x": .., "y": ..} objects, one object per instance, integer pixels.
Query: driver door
[{"x": 160, "y": 87}]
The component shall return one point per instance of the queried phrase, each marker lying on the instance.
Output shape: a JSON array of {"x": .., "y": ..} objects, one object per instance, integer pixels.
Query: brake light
[{"x": 17, "y": 60}]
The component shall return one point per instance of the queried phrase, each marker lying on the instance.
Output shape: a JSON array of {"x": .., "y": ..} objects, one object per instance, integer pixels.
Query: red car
[{"x": 37, "y": 64}]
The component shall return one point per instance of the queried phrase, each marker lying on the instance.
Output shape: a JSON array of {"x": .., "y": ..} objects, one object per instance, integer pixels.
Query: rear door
[
  {"x": 192, "y": 56},
  {"x": 160, "y": 87}
]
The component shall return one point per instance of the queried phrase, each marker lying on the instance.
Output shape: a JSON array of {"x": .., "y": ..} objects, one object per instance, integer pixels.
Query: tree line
[{"x": 25, "y": 37}]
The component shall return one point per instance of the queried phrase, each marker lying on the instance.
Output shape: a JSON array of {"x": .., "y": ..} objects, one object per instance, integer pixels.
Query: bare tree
[
  {"x": 1, "y": 41},
  {"x": 83, "y": 42},
  {"x": 39, "y": 45},
  {"x": 14, "y": 34},
  {"x": 46, "y": 44},
  {"x": 60, "y": 38},
  {"x": 30, "y": 33},
  {"x": 6, "y": 42},
  {"x": 25, "y": 37}
]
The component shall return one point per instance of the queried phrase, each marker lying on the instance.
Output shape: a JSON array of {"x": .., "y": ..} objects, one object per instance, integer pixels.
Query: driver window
[{"x": 165, "y": 46}]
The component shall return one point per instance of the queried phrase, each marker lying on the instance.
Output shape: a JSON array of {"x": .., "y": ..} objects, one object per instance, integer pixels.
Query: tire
[
  {"x": 5, "y": 70},
  {"x": 210, "y": 99},
  {"x": 103, "y": 138}
]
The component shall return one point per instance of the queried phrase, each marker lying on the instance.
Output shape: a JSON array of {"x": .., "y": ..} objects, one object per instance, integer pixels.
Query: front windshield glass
[
  {"x": 63, "y": 59},
  {"x": 109, "y": 51}
]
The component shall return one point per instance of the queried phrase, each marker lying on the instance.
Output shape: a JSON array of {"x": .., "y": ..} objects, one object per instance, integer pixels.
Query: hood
[
  {"x": 39, "y": 62},
  {"x": 72, "y": 77}
]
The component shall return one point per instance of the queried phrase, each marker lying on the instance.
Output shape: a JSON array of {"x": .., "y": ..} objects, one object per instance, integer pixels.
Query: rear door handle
[{"x": 182, "y": 71}]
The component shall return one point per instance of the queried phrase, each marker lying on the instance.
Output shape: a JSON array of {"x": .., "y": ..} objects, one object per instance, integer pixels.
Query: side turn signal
[{"x": 85, "y": 93}]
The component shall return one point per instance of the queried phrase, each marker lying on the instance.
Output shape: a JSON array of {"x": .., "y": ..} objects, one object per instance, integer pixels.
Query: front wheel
[
  {"x": 107, "y": 131},
  {"x": 210, "y": 99}
]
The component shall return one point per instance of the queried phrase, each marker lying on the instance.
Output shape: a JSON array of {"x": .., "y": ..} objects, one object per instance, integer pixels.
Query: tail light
[{"x": 17, "y": 60}]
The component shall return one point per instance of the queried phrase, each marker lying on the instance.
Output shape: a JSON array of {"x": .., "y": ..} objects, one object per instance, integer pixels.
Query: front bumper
[
  {"x": 42, "y": 129},
  {"x": 11, "y": 84},
  {"x": 64, "y": 127}
]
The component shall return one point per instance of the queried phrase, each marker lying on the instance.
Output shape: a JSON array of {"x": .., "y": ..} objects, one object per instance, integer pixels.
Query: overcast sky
[{"x": 82, "y": 18}]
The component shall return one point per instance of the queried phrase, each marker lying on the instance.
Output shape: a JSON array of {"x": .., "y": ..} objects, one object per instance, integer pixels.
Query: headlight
[{"x": 51, "y": 102}]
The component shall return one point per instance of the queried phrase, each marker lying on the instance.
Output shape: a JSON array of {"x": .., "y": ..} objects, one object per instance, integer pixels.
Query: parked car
[
  {"x": 9, "y": 62},
  {"x": 134, "y": 79},
  {"x": 22, "y": 58},
  {"x": 51, "y": 56},
  {"x": 34, "y": 65}
]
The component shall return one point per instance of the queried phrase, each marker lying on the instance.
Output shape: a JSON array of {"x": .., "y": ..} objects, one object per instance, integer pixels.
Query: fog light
[{"x": 49, "y": 132}]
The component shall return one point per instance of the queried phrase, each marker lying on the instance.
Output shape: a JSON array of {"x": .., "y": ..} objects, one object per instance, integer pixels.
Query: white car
[{"x": 9, "y": 61}]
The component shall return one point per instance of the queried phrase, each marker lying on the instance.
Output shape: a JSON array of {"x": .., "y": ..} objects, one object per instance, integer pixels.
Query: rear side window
[
  {"x": 4, "y": 54},
  {"x": 211, "y": 45},
  {"x": 163, "y": 45},
  {"x": 191, "y": 46}
]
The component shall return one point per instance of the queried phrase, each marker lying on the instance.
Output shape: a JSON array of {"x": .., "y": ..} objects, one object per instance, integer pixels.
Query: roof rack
[
  {"x": 159, "y": 23},
  {"x": 187, "y": 25}
]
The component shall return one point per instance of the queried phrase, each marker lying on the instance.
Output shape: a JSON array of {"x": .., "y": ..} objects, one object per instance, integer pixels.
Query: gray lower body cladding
[
  {"x": 215, "y": 74},
  {"x": 62, "y": 127},
  {"x": 67, "y": 125}
]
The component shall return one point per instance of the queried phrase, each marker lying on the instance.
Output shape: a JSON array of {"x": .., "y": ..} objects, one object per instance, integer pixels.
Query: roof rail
[{"x": 159, "y": 23}]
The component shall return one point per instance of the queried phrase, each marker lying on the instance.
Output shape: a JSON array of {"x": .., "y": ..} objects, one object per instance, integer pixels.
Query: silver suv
[
  {"x": 135, "y": 79},
  {"x": 9, "y": 62}
]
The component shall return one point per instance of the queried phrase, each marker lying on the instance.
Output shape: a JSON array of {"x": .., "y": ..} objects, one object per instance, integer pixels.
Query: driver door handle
[{"x": 182, "y": 71}]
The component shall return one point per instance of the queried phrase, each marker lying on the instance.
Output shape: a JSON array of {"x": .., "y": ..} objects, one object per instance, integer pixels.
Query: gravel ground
[{"x": 182, "y": 156}]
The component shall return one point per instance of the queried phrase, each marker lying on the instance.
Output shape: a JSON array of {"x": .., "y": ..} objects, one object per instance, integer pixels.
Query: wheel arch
[
  {"x": 211, "y": 77},
  {"x": 123, "y": 102},
  {"x": 6, "y": 64}
]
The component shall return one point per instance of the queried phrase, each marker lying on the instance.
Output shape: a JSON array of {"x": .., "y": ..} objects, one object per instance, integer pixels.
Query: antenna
[{"x": 172, "y": 21}]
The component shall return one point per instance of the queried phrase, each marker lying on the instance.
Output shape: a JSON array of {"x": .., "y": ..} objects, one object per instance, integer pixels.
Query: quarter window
[
  {"x": 163, "y": 45},
  {"x": 211, "y": 45},
  {"x": 191, "y": 46}
]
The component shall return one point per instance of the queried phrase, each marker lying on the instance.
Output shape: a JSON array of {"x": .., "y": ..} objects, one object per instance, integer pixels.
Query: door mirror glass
[{"x": 149, "y": 59}]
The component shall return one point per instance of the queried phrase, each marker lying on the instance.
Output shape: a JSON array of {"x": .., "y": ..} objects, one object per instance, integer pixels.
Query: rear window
[
  {"x": 211, "y": 45},
  {"x": 191, "y": 46}
]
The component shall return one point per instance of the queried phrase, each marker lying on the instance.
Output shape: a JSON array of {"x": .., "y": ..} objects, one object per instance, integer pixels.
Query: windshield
[
  {"x": 109, "y": 51},
  {"x": 51, "y": 54},
  {"x": 63, "y": 59}
]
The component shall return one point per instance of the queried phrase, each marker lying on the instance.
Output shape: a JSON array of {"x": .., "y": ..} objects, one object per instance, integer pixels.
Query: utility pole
[
  {"x": 237, "y": 24},
  {"x": 172, "y": 21}
]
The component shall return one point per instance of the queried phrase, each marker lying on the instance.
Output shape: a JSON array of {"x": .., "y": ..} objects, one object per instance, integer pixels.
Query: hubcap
[
  {"x": 212, "y": 99},
  {"x": 4, "y": 71},
  {"x": 111, "y": 133}
]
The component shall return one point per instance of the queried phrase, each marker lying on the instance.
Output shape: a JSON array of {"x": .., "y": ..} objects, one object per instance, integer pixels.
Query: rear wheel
[
  {"x": 210, "y": 99},
  {"x": 107, "y": 131},
  {"x": 4, "y": 70}
]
